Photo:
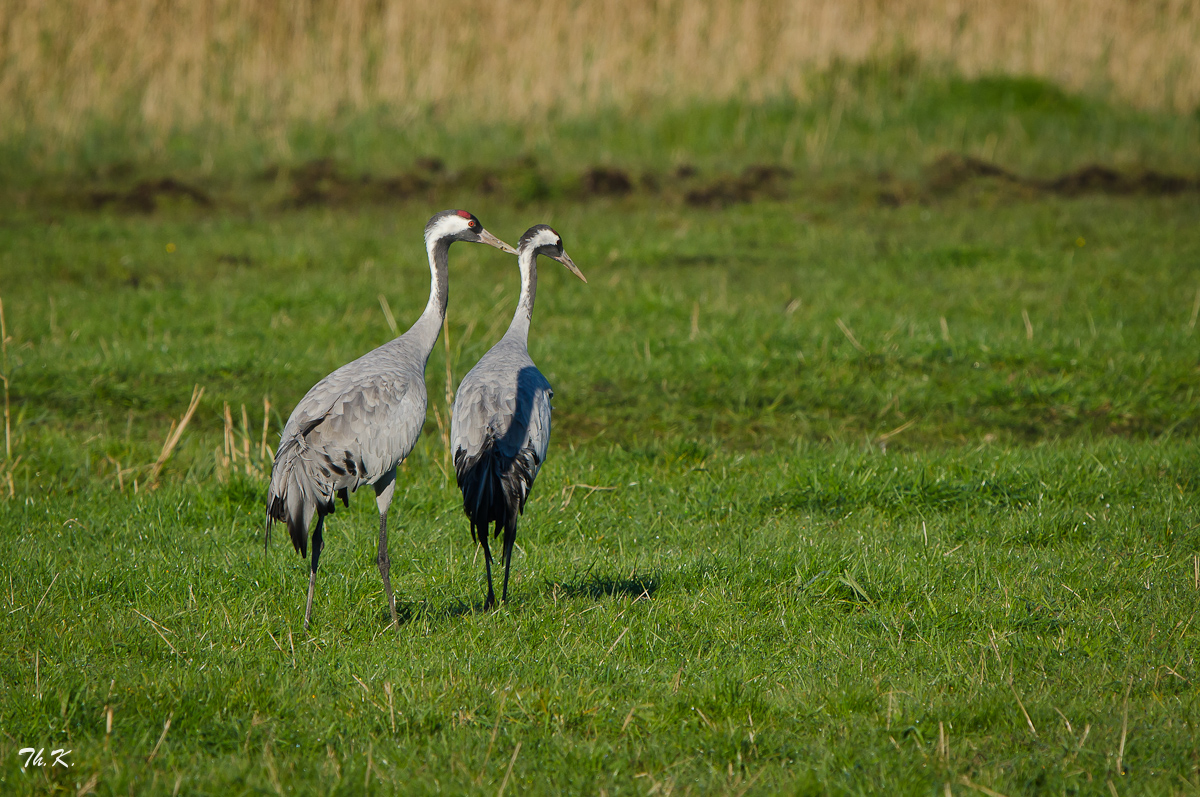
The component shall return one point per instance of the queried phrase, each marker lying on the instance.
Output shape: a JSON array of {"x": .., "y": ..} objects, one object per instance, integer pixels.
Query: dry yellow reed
[
  {"x": 9, "y": 467},
  {"x": 175, "y": 433},
  {"x": 264, "y": 450},
  {"x": 175, "y": 65},
  {"x": 444, "y": 434},
  {"x": 230, "y": 449},
  {"x": 4, "y": 379},
  {"x": 246, "y": 439},
  {"x": 256, "y": 459},
  {"x": 387, "y": 314}
]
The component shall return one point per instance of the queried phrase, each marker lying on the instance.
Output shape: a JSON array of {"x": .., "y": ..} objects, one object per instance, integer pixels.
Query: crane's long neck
[
  {"x": 519, "y": 328},
  {"x": 427, "y": 328}
]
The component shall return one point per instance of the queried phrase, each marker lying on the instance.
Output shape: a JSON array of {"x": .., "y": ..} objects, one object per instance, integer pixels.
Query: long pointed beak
[
  {"x": 486, "y": 237},
  {"x": 569, "y": 263}
]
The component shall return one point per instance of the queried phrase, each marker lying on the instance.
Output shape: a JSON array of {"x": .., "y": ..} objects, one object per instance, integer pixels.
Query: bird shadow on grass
[
  {"x": 585, "y": 585},
  {"x": 437, "y": 612},
  {"x": 413, "y": 610},
  {"x": 596, "y": 586}
]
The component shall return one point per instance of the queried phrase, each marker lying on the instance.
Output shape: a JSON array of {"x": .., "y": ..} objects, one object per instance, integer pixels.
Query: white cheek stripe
[{"x": 449, "y": 225}]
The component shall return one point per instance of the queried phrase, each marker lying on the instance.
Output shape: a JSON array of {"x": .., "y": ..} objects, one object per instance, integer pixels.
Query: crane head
[
  {"x": 541, "y": 239},
  {"x": 461, "y": 225}
]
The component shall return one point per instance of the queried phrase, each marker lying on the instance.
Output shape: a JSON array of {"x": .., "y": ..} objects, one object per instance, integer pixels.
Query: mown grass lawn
[{"x": 842, "y": 498}]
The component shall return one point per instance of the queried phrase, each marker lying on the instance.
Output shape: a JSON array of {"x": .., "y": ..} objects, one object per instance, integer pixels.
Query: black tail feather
[{"x": 494, "y": 487}]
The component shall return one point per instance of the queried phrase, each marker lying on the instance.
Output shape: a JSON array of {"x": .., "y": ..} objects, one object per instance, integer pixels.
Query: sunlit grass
[{"x": 842, "y": 498}]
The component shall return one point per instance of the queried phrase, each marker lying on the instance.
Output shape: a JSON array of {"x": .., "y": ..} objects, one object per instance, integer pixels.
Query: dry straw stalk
[{"x": 175, "y": 433}]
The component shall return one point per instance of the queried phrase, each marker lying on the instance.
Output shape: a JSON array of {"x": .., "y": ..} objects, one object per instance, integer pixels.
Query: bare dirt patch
[
  {"x": 326, "y": 183},
  {"x": 952, "y": 171},
  {"x": 144, "y": 197}
]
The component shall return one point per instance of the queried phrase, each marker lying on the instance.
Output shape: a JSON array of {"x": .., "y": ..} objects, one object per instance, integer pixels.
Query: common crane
[
  {"x": 501, "y": 421},
  {"x": 357, "y": 424}
]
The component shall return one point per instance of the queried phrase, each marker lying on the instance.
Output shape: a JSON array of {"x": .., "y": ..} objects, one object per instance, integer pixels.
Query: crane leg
[
  {"x": 317, "y": 545},
  {"x": 487, "y": 562},
  {"x": 510, "y": 537},
  {"x": 383, "y": 500}
]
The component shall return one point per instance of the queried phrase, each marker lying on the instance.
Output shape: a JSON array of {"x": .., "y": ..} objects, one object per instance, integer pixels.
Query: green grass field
[{"x": 877, "y": 476}]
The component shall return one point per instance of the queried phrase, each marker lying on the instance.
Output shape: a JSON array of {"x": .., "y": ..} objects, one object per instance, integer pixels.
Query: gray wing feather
[
  {"x": 377, "y": 422},
  {"x": 512, "y": 410},
  {"x": 352, "y": 428},
  {"x": 499, "y": 432},
  {"x": 376, "y": 418}
]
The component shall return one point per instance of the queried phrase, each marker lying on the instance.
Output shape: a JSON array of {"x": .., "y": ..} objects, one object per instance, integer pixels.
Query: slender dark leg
[
  {"x": 385, "y": 566},
  {"x": 317, "y": 545},
  {"x": 487, "y": 561},
  {"x": 510, "y": 537},
  {"x": 383, "y": 500}
]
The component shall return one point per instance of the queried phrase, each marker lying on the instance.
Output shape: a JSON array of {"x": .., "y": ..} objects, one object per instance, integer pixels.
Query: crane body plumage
[
  {"x": 500, "y": 427},
  {"x": 355, "y": 426},
  {"x": 351, "y": 429}
]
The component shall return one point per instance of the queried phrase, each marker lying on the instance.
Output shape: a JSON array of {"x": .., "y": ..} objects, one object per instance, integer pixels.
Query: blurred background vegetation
[{"x": 224, "y": 85}]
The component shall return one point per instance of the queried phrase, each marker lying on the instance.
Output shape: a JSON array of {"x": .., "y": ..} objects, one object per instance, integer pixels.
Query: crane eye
[{"x": 471, "y": 223}]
